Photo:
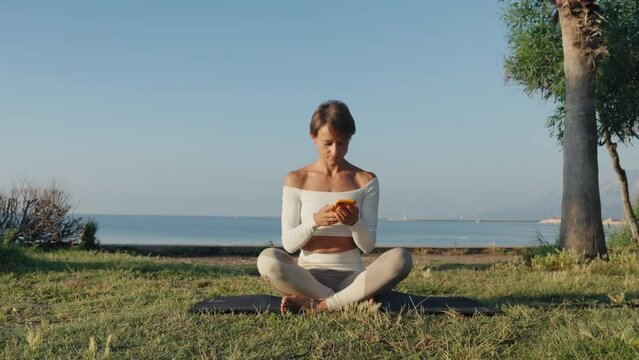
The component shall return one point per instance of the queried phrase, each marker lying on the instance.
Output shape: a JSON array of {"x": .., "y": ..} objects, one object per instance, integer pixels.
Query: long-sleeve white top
[{"x": 299, "y": 205}]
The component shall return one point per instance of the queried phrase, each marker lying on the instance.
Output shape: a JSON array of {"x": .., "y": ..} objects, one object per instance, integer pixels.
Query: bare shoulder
[
  {"x": 296, "y": 178},
  {"x": 363, "y": 177}
]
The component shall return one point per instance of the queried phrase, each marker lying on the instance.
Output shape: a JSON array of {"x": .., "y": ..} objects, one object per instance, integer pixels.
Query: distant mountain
[{"x": 549, "y": 205}]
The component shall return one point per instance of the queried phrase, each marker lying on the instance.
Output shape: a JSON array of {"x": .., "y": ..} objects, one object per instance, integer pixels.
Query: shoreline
[
  {"x": 217, "y": 251},
  {"x": 605, "y": 222}
]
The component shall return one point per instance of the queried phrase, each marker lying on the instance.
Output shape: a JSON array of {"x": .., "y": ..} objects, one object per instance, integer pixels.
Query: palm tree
[{"x": 581, "y": 227}]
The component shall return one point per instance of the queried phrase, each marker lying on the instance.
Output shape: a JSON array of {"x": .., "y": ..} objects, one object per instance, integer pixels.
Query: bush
[
  {"x": 540, "y": 249},
  {"x": 88, "y": 239},
  {"x": 559, "y": 260},
  {"x": 38, "y": 216},
  {"x": 621, "y": 237},
  {"x": 549, "y": 257},
  {"x": 9, "y": 237}
]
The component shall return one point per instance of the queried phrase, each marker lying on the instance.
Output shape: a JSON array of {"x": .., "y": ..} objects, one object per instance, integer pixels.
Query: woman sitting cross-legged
[{"x": 329, "y": 273}]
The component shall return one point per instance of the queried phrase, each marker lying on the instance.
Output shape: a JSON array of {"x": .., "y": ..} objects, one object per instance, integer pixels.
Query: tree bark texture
[
  {"x": 625, "y": 192},
  {"x": 581, "y": 228}
]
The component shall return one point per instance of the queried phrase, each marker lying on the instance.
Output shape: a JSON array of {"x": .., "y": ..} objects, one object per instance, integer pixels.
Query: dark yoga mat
[
  {"x": 389, "y": 301},
  {"x": 398, "y": 301},
  {"x": 239, "y": 304}
]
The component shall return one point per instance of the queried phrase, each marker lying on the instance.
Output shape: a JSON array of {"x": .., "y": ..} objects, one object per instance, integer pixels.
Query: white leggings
[{"x": 337, "y": 287}]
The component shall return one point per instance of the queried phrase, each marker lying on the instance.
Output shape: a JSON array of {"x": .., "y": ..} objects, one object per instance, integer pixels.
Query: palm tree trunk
[
  {"x": 625, "y": 193},
  {"x": 581, "y": 228}
]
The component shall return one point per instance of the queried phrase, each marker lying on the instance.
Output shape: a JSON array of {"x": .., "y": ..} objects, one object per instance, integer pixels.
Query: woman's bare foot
[
  {"x": 298, "y": 303},
  {"x": 372, "y": 304}
]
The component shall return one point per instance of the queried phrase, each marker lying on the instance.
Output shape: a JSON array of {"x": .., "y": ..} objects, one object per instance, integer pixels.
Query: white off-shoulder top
[{"x": 298, "y": 207}]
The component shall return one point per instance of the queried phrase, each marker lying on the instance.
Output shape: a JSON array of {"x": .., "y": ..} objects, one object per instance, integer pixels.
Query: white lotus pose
[{"x": 329, "y": 273}]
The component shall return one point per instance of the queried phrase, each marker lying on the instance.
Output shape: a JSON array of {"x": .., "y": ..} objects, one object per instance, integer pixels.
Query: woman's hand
[
  {"x": 347, "y": 215},
  {"x": 325, "y": 216}
]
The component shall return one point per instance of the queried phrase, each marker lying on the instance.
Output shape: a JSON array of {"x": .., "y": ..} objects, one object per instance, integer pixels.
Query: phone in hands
[{"x": 343, "y": 203}]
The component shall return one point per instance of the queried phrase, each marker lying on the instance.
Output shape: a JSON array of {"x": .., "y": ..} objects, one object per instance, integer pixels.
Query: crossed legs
[{"x": 303, "y": 290}]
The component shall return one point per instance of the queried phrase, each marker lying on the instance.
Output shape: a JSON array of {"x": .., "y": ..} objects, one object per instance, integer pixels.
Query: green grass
[{"x": 94, "y": 305}]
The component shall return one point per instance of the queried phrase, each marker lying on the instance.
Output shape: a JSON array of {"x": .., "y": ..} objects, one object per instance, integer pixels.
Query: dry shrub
[{"x": 31, "y": 215}]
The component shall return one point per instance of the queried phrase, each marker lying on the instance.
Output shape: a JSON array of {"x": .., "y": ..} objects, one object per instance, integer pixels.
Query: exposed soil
[
  {"x": 418, "y": 258},
  {"x": 247, "y": 255}
]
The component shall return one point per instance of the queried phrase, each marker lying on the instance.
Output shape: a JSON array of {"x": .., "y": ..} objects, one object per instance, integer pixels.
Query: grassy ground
[{"x": 80, "y": 304}]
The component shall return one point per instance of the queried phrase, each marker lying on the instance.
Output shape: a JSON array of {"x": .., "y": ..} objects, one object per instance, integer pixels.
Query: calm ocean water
[{"x": 213, "y": 230}]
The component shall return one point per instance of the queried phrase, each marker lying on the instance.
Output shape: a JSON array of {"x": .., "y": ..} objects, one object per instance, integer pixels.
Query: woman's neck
[{"x": 329, "y": 169}]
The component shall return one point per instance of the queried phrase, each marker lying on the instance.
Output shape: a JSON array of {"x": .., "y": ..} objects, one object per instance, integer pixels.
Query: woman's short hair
[{"x": 336, "y": 114}]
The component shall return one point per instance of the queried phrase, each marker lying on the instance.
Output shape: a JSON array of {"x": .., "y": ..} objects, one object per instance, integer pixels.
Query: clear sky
[{"x": 201, "y": 107}]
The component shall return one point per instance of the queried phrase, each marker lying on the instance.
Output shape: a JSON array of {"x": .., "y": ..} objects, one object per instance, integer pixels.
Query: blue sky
[{"x": 201, "y": 107}]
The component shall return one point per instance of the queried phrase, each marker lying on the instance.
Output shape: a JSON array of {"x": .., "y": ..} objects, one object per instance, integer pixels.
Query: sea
[{"x": 261, "y": 231}]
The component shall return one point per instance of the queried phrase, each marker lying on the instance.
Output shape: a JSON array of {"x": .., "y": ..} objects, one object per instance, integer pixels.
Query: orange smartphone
[{"x": 343, "y": 202}]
